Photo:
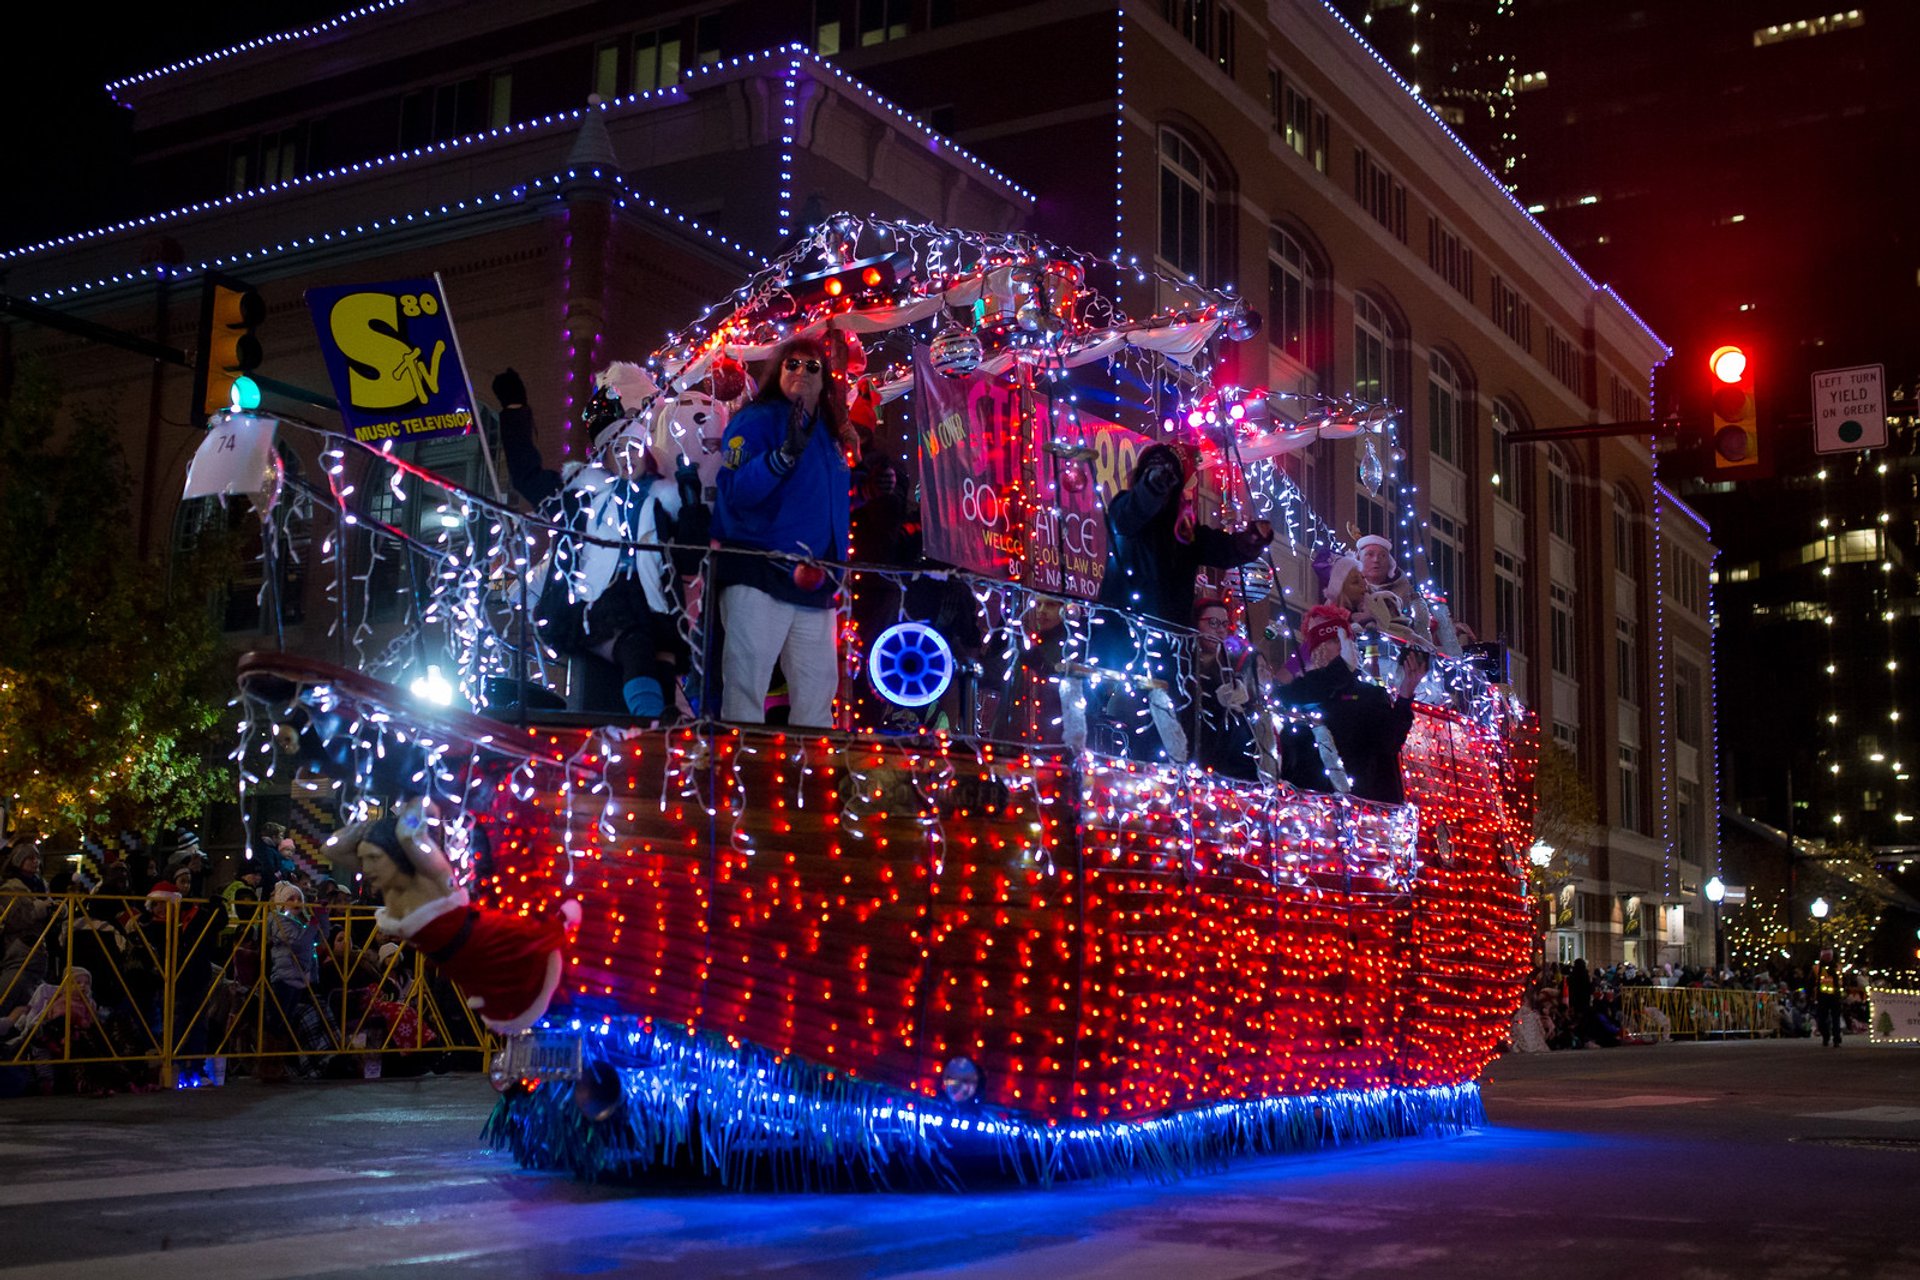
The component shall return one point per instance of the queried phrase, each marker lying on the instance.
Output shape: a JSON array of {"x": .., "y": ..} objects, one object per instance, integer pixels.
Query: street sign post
[{"x": 1850, "y": 409}]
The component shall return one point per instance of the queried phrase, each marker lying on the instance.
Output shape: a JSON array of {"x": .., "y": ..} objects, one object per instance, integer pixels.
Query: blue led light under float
[{"x": 911, "y": 664}]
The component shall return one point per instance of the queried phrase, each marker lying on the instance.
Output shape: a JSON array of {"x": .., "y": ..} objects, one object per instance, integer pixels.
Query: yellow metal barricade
[
  {"x": 164, "y": 989},
  {"x": 1699, "y": 1012}
]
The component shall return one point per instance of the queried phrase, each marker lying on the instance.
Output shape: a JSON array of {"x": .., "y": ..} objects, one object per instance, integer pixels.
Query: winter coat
[
  {"x": 769, "y": 504},
  {"x": 1368, "y": 724},
  {"x": 295, "y": 956},
  {"x": 1150, "y": 570}
]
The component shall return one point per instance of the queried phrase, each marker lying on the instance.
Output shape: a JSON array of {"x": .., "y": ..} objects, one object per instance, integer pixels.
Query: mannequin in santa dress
[{"x": 508, "y": 966}]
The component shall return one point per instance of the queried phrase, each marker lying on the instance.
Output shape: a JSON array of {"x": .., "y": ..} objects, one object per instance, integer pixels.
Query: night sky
[{"x": 65, "y": 141}]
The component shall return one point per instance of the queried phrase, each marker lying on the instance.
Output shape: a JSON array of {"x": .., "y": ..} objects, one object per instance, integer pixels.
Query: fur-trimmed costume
[{"x": 508, "y": 965}]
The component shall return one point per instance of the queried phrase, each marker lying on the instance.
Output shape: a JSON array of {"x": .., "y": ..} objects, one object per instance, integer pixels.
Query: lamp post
[
  {"x": 1819, "y": 910},
  {"x": 1541, "y": 855},
  {"x": 1716, "y": 891}
]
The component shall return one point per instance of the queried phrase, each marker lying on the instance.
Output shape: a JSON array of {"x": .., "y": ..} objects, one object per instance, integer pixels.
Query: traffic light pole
[{"x": 1598, "y": 430}]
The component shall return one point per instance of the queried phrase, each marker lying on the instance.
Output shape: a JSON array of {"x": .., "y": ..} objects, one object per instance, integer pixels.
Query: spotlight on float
[
  {"x": 1540, "y": 854},
  {"x": 1820, "y": 908},
  {"x": 433, "y": 687},
  {"x": 911, "y": 664},
  {"x": 1716, "y": 889}
]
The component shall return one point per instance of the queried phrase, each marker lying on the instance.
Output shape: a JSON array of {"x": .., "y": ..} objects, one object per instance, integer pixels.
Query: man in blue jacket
[{"x": 784, "y": 488}]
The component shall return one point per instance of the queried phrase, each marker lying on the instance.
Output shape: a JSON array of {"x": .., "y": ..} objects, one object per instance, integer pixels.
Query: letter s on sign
[{"x": 366, "y": 328}]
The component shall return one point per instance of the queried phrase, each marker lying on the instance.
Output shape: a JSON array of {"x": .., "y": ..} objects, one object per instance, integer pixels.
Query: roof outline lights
[
  {"x": 248, "y": 46},
  {"x": 793, "y": 52},
  {"x": 1487, "y": 173},
  {"x": 509, "y": 195}
]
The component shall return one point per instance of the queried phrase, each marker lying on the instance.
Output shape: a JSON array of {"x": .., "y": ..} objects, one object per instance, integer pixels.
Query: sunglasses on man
[{"x": 795, "y": 364}]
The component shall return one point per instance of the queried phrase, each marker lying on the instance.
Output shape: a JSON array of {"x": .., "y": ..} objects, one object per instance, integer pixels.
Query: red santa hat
[{"x": 1324, "y": 624}]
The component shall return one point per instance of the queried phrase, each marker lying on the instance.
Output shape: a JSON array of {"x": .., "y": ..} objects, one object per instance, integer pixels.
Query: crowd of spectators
[
  {"x": 1569, "y": 1006},
  {"x": 274, "y": 963}
]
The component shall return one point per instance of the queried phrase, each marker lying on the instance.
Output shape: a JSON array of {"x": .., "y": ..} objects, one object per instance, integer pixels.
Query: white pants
[{"x": 762, "y": 631}]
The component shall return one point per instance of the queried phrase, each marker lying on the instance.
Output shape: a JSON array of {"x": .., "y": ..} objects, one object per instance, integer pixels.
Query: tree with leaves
[{"x": 113, "y": 683}]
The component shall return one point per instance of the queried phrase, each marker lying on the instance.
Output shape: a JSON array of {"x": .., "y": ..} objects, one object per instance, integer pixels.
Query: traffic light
[
  {"x": 230, "y": 311},
  {"x": 1735, "y": 438}
]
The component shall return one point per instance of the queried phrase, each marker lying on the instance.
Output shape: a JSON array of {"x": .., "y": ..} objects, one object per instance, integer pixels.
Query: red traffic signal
[{"x": 1736, "y": 421}]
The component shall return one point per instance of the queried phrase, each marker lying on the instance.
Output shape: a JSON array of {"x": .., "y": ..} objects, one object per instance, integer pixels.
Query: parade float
[{"x": 957, "y": 937}]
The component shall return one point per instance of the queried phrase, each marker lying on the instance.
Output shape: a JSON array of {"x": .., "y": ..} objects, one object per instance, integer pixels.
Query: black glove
[
  {"x": 687, "y": 476},
  {"x": 1158, "y": 483},
  {"x": 508, "y": 389},
  {"x": 799, "y": 431},
  {"x": 1249, "y": 542}
]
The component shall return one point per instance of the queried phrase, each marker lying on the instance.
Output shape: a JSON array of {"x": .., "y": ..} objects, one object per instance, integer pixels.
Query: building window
[
  {"x": 1380, "y": 194},
  {"x": 884, "y": 20},
  {"x": 1374, "y": 340},
  {"x": 1223, "y": 40},
  {"x": 1686, "y": 819},
  {"x": 1444, "y": 558},
  {"x": 606, "y": 70},
  {"x": 1630, "y": 806},
  {"x": 1625, "y": 663},
  {"x": 1560, "y": 607},
  {"x": 1563, "y": 361},
  {"x": 1626, "y": 537},
  {"x": 1191, "y": 228},
  {"x": 500, "y": 99},
  {"x": 1443, "y": 411},
  {"x": 1559, "y": 498},
  {"x": 1567, "y": 736},
  {"x": 656, "y": 59},
  {"x": 1514, "y": 463},
  {"x": 1513, "y": 313},
  {"x": 1509, "y": 608},
  {"x": 1627, "y": 405},
  {"x": 706, "y": 40},
  {"x": 1450, "y": 258},
  {"x": 1302, "y": 126},
  {"x": 1373, "y": 515},
  {"x": 1687, "y": 583},
  {"x": 1207, "y": 26},
  {"x": 1845, "y": 20},
  {"x": 270, "y": 157},
  {"x": 1687, "y": 702},
  {"x": 1292, "y": 307},
  {"x": 826, "y": 27}
]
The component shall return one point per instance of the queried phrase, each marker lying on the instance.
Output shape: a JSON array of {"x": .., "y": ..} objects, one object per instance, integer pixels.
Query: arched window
[
  {"x": 1559, "y": 497},
  {"x": 1293, "y": 301},
  {"x": 1512, "y": 464},
  {"x": 1444, "y": 411},
  {"x": 1373, "y": 343},
  {"x": 1190, "y": 210},
  {"x": 1626, "y": 535}
]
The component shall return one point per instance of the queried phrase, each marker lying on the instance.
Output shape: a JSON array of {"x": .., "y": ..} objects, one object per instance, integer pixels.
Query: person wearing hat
[
  {"x": 507, "y": 965},
  {"x": 1156, "y": 547},
  {"x": 611, "y": 592},
  {"x": 1367, "y": 723},
  {"x": 26, "y": 914},
  {"x": 187, "y": 866}
]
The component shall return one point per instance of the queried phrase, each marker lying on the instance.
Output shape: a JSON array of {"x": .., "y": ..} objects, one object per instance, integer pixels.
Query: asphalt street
[{"x": 1696, "y": 1162}]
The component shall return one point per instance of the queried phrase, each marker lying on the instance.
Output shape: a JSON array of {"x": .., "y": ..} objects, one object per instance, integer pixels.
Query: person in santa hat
[
  {"x": 1393, "y": 606},
  {"x": 507, "y": 966},
  {"x": 1367, "y": 723}
]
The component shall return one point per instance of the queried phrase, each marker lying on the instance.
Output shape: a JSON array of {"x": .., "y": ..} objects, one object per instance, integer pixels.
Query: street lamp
[
  {"x": 1716, "y": 893},
  {"x": 1541, "y": 853},
  {"x": 1820, "y": 908}
]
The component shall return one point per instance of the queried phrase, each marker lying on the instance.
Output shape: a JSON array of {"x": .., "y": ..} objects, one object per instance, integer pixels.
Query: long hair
[{"x": 833, "y": 390}]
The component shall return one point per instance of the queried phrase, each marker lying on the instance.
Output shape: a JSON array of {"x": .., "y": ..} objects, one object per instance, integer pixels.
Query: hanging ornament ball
[
  {"x": 764, "y": 334},
  {"x": 729, "y": 379},
  {"x": 809, "y": 577},
  {"x": 1029, "y": 316},
  {"x": 955, "y": 352},
  {"x": 1073, "y": 476}
]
